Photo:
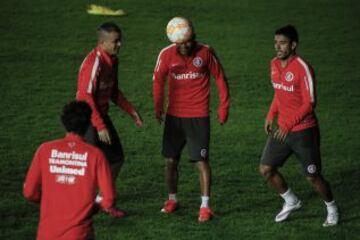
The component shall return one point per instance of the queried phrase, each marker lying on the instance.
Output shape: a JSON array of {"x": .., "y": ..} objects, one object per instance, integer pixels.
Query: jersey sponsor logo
[
  {"x": 197, "y": 62},
  {"x": 289, "y": 76},
  {"x": 69, "y": 155},
  {"x": 56, "y": 161},
  {"x": 188, "y": 76},
  {"x": 67, "y": 165},
  {"x": 67, "y": 170},
  {"x": 311, "y": 168},
  {"x": 283, "y": 87},
  {"x": 203, "y": 152},
  {"x": 66, "y": 179}
]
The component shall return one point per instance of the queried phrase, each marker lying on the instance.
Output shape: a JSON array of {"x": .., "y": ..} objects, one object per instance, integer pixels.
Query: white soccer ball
[{"x": 179, "y": 30}]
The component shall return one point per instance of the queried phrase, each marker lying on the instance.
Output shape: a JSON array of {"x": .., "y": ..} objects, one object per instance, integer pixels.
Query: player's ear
[{"x": 293, "y": 45}]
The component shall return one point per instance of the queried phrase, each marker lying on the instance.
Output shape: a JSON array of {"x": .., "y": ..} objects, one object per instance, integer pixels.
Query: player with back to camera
[
  {"x": 186, "y": 65},
  {"x": 64, "y": 176},
  {"x": 298, "y": 132}
]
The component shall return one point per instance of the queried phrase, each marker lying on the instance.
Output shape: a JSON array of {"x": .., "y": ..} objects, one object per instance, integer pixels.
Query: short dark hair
[
  {"x": 109, "y": 27},
  {"x": 289, "y": 31},
  {"x": 76, "y": 117}
]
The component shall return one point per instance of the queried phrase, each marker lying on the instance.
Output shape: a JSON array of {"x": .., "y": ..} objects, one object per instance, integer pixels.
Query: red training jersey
[
  {"x": 64, "y": 177},
  {"x": 295, "y": 97},
  {"x": 98, "y": 83},
  {"x": 189, "y": 82}
]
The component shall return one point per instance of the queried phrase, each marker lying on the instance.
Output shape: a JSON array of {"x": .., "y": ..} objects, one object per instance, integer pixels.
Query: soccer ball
[{"x": 179, "y": 30}]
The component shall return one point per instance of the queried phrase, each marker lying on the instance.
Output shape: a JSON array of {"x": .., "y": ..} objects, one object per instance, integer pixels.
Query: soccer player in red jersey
[
  {"x": 297, "y": 133},
  {"x": 64, "y": 177},
  {"x": 97, "y": 85},
  {"x": 187, "y": 67}
]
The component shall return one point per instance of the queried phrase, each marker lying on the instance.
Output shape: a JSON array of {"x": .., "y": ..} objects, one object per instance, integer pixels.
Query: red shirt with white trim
[
  {"x": 295, "y": 97},
  {"x": 189, "y": 82},
  {"x": 64, "y": 177},
  {"x": 98, "y": 83}
]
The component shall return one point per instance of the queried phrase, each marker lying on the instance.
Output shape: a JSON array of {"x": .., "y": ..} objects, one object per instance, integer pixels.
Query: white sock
[
  {"x": 98, "y": 199},
  {"x": 172, "y": 196},
  {"x": 331, "y": 206},
  {"x": 289, "y": 197},
  {"x": 204, "y": 201}
]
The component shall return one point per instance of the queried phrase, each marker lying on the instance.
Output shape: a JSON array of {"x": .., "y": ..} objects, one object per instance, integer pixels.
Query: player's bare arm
[{"x": 137, "y": 118}]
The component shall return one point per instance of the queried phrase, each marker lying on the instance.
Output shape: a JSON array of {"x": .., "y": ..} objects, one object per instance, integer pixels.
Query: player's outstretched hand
[
  {"x": 104, "y": 136},
  {"x": 137, "y": 119},
  {"x": 268, "y": 126}
]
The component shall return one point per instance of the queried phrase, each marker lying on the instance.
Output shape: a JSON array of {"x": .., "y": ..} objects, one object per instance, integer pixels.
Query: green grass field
[{"x": 42, "y": 44}]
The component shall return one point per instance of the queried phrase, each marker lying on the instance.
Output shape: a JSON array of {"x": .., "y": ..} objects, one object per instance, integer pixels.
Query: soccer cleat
[
  {"x": 205, "y": 214},
  {"x": 114, "y": 212},
  {"x": 286, "y": 210},
  {"x": 169, "y": 206},
  {"x": 332, "y": 219}
]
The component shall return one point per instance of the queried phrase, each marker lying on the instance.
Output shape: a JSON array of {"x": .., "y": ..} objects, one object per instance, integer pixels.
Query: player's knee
[
  {"x": 171, "y": 162},
  {"x": 203, "y": 166},
  {"x": 266, "y": 171},
  {"x": 313, "y": 179}
]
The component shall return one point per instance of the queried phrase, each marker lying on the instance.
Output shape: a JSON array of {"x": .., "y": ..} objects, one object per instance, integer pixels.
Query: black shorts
[
  {"x": 114, "y": 152},
  {"x": 195, "y": 132},
  {"x": 305, "y": 144}
]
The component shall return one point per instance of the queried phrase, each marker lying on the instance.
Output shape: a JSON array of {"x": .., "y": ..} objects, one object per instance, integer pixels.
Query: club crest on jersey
[
  {"x": 289, "y": 76},
  {"x": 197, "y": 62}
]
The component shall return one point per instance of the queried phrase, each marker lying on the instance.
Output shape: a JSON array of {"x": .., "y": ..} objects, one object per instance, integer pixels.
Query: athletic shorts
[
  {"x": 114, "y": 152},
  {"x": 305, "y": 145},
  {"x": 195, "y": 132}
]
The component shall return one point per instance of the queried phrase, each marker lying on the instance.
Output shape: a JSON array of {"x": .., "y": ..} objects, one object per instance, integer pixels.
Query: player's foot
[
  {"x": 205, "y": 214},
  {"x": 286, "y": 210},
  {"x": 114, "y": 212},
  {"x": 169, "y": 206},
  {"x": 332, "y": 219}
]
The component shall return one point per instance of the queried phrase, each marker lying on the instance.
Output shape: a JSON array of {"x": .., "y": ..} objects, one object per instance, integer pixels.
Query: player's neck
[{"x": 285, "y": 62}]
